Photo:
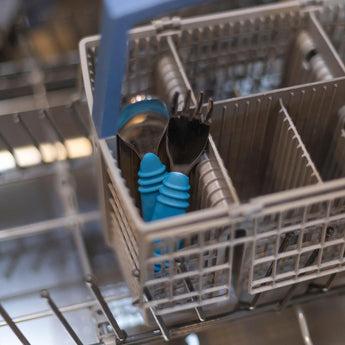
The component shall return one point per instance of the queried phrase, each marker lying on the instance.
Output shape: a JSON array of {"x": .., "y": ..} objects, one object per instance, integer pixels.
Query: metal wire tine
[
  {"x": 30, "y": 134},
  {"x": 159, "y": 320},
  {"x": 303, "y": 326},
  {"x": 119, "y": 333},
  {"x": 200, "y": 102},
  {"x": 9, "y": 148},
  {"x": 327, "y": 286},
  {"x": 292, "y": 289},
  {"x": 190, "y": 288},
  {"x": 78, "y": 119},
  {"x": 187, "y": 101},
  {"x": 329, "y": 282},
  {"x": 209, "y": 110},
  {"x": 59, "y": 315},
  {"x": 13, "y": 326},
  {"x": 57, "y": 132},
  {"x": 174, "y": 103}
]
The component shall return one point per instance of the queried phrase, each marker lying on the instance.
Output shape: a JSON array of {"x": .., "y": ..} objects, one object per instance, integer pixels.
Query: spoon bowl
[{"x": 142, "y": 125}]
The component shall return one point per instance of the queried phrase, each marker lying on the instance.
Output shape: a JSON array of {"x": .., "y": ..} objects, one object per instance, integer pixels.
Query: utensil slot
[{"x": 261, "y": 148}]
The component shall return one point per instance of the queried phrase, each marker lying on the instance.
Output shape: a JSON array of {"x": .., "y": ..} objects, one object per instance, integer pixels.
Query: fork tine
[
  {"x": 199, "y": 105},
  {"x": 174, "y": 103},
  {"x": 187, "y": 101},
  {"x": 209, "y": 110}
]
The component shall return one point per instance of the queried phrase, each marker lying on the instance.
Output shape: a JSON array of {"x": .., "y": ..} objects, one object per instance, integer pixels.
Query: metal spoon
[{"x": 142, "y": 125}]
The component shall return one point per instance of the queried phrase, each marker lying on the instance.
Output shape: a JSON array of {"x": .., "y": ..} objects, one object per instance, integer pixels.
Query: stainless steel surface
[{"x": 144, "y": 131}]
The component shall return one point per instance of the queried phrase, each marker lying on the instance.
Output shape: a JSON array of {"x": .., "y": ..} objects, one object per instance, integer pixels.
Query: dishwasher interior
[{"x": 71, "y": 269}]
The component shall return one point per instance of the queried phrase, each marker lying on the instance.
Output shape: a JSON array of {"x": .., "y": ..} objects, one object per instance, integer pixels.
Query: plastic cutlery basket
[{"x": 278, "y": 84}]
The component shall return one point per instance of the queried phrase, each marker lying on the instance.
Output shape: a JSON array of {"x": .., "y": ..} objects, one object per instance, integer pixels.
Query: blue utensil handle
[
  {"x": 118, "y": 18},
  {"x": 172, "y": 200},
  {"x": 173, "y": 196},
  {"x": 151, "y": 175}
]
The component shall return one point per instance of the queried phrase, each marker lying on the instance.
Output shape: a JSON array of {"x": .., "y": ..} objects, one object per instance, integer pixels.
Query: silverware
[
  {"x": 187, "y": 133},
  {"x": 186, "y": 140},
  {"x": 142, "y": 125}
]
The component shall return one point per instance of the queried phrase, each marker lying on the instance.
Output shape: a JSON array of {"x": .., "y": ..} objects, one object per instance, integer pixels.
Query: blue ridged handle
[
  {"x": 173, "y": 196},
  {"x": 151, "y": 175},
  {"x": 172, "y": 200},
  {"x": 118, "y": 18}
]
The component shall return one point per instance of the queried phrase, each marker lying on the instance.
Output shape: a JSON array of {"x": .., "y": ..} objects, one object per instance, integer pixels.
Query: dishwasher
[{"x": 259, "y": 255}]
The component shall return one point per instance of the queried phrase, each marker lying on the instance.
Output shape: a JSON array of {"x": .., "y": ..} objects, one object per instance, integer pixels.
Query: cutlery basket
[{"x": 278, "y": 84}]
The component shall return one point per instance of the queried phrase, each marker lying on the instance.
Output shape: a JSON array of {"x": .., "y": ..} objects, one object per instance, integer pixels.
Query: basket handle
[{"x": 119, "y": 16}]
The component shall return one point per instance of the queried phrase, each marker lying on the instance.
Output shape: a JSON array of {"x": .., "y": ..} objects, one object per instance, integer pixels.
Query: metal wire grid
[
  {"x": 47, "y": 131},
  {"x": 274, "y": 216}
]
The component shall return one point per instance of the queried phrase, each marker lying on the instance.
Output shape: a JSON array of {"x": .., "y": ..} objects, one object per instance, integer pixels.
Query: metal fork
[{"x": 186, "y": 140}]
